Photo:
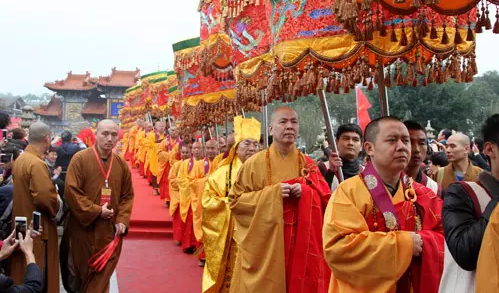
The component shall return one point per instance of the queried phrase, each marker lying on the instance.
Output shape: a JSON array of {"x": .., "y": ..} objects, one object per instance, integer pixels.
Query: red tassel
[
  {"x": 469, "y": 36},
  {"x": 487, "y": 24},
  {"x": 403, "y": 37},
  {"x": 457, "y": 37},
  {"x": 371, "y": 85},
  {"x": 425, "y": 81},
  {"x": 393, "y": 37},
  {"x": 382, "y": 30},
  {"x": 415, "y": 82},
  {"x": 496, "y": 24},
  {"x": 364, "y": 81},
  {"x": 445, "y": 37},
  {"x": 433, "y": 31}
]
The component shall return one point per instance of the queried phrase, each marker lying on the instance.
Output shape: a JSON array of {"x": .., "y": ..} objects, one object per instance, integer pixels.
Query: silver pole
[
  {"x": 242, "y": 112},
  {"x": 217, "y": 135},
  {"x": 202, "y": 139},
  {"x": 209, "y": 131},
  {"x": 264, "y": 121},
  {"x": 329, "y": 128},
  {"x": 226, "y": 125}
]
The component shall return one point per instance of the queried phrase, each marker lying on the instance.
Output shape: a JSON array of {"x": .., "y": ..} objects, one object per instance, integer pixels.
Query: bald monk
[
  {"x": 278, "y": 202},
  {"x": 165, "y": 149},
  {"x": 178, "y": 225},
  {"x": 383, "y": 231},
  {"x": 100, "y": 208},
  {"x": 202, "y": 169},
  {"x": 34, "y": 191},
  {"x": 229, "y": 144},
  {"x": 218, "y": 223},
  {"x": 460, "y": 167},
  {"x": 152, "y": 154},
  {"x": 184, "y": 179}
]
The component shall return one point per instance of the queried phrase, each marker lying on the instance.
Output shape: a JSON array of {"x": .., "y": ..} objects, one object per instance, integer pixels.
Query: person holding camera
[{"x": 33, "y": 275}]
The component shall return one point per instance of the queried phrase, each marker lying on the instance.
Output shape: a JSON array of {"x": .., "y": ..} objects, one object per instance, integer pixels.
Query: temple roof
[
  {"x": 95, "y": 107},
  {"x": 73, "y": 82},
  {"x": 52, "y": 109},
  {"x": 118, "y": 78}
]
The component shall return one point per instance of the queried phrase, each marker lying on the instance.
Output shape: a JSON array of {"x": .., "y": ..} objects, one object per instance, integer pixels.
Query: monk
[
  {"x": 223, "y": 154},
  {"x": 143, "y": 147},
  {"x": 178, "y": 225},
  {"x": 419, "y": 148},
  {"x": 383, "y": 231},
  {"x": 34, "y": 191},
  {"x": 100, "y": 196},
  {"x": 277, "y": 203},
  {"x": 184, "y": 179},
  {"x": 202, "y": 169},
  {"x": 217, "y": 223},
  {"x": 165, "y": 149},
  {"x": 152, "y": 154},
  {"x": 460, "y": 167},
  {"x": 134, "y": 142}
]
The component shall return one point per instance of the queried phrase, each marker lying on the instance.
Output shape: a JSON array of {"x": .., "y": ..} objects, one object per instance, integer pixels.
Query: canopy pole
[
  {"x": 264, "y": 121},
  {"x": 226, "y": 125},
  {"x": 329, "y": 129},
  {"x": 242, "y": 112},
  {"x": 203, "y": 128},
  {"x": 382, "y": 91},
  {"x": 217, "y": 135}
]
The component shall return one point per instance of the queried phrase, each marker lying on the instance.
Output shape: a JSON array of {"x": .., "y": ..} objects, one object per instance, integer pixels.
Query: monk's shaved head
[
  {"x": 459, "y": 138},
  {"x": 211, "y": 149},
  {"x": 105, "y": 123},
  {"x": 38, "y": 132},
  {"x": 280, "y": 111},
  {"x": 231, "y": 140},
  {"x": 211, "y": 142},
  {"x": 197, "y": 150}
]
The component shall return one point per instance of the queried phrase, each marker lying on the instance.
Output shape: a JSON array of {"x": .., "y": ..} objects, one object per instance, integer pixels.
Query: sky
[{"x": 41, "y": 41}]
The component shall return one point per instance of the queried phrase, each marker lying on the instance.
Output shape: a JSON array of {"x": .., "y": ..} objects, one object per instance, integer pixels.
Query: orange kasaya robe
[
  {"x": 130, "y": 151},
  {"x": 178, "y": 225},
  {"x": 280, "y": 240},
  {"x": 184, "y": 179},
  {"x": 368, "y": 257},
  {"x": 138, "y": 142},
  {"x": 152, "y": 161},
  {"x": 124, "y": 145},
  {"x": 142, "y": 152},
  {"x": 487, "y": 270},
  {"x": 166, "y": 150}
]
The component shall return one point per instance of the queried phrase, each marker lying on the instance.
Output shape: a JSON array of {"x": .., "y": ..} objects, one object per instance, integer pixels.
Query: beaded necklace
[{"x": 269, "y": 168}]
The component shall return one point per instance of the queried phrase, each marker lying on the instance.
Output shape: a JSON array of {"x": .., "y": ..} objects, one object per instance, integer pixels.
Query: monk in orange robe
[
  {"x": 144, "y": 148},
  {"x": 383, "y": 231},
  {"x": 168, "y": 147},
  {"x": 134, "y": 133},
  {"x": 152, "y": 160},
  {"x": 141, "y": 135},
  {"x": 185, "y": 179},
  {"x": 100, "y": 209},
  {"x": 224, "y": 151},
  {"x": 178, "y": 225},
  {"x": 202, "y": 169},
  {"x": 278, "y": 203}
]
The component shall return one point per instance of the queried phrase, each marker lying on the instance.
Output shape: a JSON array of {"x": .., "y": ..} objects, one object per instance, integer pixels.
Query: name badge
[{"x": 105, "y": 196}]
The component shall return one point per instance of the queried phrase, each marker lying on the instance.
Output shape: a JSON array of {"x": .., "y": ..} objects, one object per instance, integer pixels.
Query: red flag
[{"x": 362, "y": 106}]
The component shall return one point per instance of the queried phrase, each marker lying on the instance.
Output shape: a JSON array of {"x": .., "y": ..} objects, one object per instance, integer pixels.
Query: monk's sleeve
[
  {"x": 357, "y": 256},
  {"x": 43, "y": 191},
  {"x": 172, "y": 177},
  {"x": 126, "y": 199},
  {"x": 487, "y": 273},
  {"x": 84, "y": 209}
]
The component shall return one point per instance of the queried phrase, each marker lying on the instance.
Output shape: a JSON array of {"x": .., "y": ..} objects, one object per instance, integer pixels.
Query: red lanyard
[{"x": 106, "y": 175}]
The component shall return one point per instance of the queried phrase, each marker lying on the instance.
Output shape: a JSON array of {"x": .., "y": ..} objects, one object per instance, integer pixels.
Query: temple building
[{"x": 79, "y": 98}]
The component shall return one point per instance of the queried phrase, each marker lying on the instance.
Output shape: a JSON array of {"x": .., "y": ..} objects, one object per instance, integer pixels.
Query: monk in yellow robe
[
  {"x": 100, "y": 208},
  {"x": 383, "y": 231},
  {"x": 141, "y": 135},
  {"x": 202, "y": 169},
  {"x": 178, "y": 225},
  {"x": 278, "y": 201},
  {"x": 152, "y": 161},
  {"x": 185, "y": 179},
  {"x": 134, "y": 133},
  {"x": 165, "y": 149},
  {"x": 217, "y": 223},
  {"x": 228, "y": 146}
]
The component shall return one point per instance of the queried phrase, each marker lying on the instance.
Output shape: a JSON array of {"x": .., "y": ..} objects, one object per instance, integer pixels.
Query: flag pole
[{"x": 329, "y": 129}]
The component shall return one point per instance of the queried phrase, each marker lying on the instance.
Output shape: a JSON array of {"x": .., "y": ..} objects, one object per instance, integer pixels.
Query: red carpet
[{"x": 150, "y": 261}]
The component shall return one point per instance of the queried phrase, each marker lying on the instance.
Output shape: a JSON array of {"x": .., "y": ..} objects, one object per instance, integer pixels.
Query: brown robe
[
  {"x": 86, "y": 232},
  {"x": 34, "y": 191},
  {"x": 448, "y": 177}
]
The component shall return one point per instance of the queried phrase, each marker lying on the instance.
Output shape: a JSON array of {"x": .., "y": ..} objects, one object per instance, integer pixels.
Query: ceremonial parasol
[{"x": 314, "y": 52}]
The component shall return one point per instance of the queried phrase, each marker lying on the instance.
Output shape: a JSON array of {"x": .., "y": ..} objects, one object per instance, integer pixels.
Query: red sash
[{"x": 99, "y": 260}]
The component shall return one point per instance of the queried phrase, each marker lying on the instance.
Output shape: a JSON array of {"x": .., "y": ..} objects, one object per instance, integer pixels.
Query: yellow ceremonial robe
[
  {"x": 152, "y": 153},
  {"x": 487, "y": 270},
  {"x": 174, "y": 188},
  {"x": 218, "y": 229},
  {"x": 361, "y": 260},
  {"x": 124, "y": 145},
  {"x": 142, "y": 152},
  {"x": 163, "y": 158},
  {"x": 197, "y": 185},
  {"x": 255, "y": 200},
  {"x": 217, "y": 161},
  {"x": 184, "y": 179}
]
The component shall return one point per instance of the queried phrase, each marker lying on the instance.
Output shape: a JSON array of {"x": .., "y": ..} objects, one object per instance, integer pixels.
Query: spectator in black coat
[
  {"x": 33, "y": 276},
  {"x": 66, "y": 151},
  {"x": 18, "y": 138}
]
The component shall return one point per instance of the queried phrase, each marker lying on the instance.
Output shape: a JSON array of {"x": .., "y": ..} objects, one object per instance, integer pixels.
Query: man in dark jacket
[
  {"x": 65, "y": 152},
  {"x": 468, "y": 206}
]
